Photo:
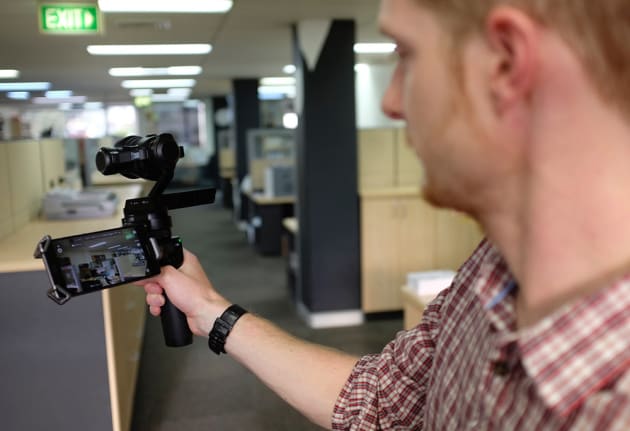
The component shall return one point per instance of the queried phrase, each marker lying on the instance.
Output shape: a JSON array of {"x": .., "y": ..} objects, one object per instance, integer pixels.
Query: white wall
[{"x": 371, "y": 81}]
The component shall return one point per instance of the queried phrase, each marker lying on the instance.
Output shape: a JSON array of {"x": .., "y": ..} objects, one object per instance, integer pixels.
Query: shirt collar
[
  {"x": 580, "y": 348},
  {"x": 572, "y": 353}
]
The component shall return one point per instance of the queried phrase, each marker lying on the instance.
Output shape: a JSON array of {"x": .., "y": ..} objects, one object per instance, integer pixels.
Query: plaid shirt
[{"x": 466, "y": 367}]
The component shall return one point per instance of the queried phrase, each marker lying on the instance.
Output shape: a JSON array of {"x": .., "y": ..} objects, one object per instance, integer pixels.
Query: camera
[{"x": 90, "y": 262}]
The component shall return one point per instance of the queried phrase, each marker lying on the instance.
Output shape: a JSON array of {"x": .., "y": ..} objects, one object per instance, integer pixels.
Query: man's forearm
[{"x": 306, "y": 375}]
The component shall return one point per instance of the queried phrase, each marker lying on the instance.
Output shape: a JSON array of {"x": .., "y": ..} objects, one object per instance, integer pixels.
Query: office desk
[
  {"x": 265, "y": 218},
  {"x": 70, "y": 367},
  {"x": 413, "y": 306}
]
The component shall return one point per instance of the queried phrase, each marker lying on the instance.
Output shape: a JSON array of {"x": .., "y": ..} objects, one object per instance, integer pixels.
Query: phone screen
[{"x": 99, "y": 260}]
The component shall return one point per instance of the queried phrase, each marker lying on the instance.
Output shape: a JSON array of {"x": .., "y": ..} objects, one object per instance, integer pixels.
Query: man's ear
[{"x": 512, "y": 36}]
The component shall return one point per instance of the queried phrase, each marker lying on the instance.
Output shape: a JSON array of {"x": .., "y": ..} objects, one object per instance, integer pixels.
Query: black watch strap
[{"x": 222, "y": 327}]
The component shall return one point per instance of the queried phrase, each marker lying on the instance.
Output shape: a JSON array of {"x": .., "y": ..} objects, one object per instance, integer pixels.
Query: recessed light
[
  {"x": 289, "y": 69},
  {"x": 9, "y": 73},
  {"x": 158, "y": 83},
  {"x": 156, "y": 49},
  {"x": 290, "y": 120},
  {"x": 374, "y": 48},
  {"x": 157, "y": 6}
]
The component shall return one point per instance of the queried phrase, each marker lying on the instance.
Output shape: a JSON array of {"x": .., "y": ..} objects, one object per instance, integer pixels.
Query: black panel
[{"x": 53, "y": 363}]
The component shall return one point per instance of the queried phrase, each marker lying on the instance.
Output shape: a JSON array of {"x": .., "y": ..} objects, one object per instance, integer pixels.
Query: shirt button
[{"x": 501, "y": 368}]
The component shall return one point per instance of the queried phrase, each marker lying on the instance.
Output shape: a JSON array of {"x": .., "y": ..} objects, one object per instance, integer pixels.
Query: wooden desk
[
  {"x": 265, "y": 218},
  {"x": 72, "y": 367},
  {"x": 413, "y": 306}
]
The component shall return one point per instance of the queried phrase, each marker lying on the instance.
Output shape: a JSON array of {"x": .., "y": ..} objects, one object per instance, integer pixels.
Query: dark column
[
  {"x": 224, "y": 184},
  {"x": 246, "y": 116},
  {"x": 327, "y": 200}
]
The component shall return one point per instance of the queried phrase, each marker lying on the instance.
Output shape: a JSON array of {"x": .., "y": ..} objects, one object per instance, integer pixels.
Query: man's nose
[{"x": 391, "y": 104}]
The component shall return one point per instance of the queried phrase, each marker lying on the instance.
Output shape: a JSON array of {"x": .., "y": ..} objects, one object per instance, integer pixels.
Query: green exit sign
[{"x": 69, "y": 18}]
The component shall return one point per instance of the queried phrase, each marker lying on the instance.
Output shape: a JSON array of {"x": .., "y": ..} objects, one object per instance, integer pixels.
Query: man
[{"x": 520, "y": 113}]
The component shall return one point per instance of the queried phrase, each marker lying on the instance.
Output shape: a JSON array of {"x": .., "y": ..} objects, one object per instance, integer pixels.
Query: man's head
[
  {"x": 598, "y": 31},
  {"x": 476, "y": 79}
]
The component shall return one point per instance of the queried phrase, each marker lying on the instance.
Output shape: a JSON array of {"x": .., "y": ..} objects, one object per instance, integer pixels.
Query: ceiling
[{"x": 251, "y": 41}]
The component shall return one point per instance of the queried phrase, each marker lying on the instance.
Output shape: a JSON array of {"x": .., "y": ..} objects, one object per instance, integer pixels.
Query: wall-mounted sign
[{"x": 68, "y": 18}]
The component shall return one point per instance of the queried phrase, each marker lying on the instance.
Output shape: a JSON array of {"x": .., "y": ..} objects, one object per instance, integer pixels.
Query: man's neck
[{"x": 569, "y": 234}]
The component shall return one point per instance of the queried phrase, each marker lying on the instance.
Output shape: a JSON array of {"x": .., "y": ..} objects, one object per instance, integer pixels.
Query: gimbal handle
[{"x": 174, "y": 323}]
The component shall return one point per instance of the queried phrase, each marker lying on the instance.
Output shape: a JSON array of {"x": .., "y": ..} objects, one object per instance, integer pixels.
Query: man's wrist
[{"x": 223, "y": 326}]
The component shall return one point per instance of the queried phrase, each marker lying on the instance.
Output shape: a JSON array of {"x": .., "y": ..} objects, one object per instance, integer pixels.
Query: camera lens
[{"x": 104, "y": 162}]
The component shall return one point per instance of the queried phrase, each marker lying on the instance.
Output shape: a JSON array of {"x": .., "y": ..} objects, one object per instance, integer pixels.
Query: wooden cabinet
[
  {"x": 457, "y": 235},
  {"x": 400, "y": 233},
  {"x": 397, "y": 237},
  {"x": 409, "y": 170},
  {"x": 376, "y": 157},
  {"x": 386, "y": 161}
]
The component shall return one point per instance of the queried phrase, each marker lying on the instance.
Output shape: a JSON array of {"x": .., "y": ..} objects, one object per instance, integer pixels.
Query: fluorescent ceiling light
[
  {"x": 269, "y": 90},
  {"x": 191, "y": 6},
  {"x": 179, "y": 91},
  {"x": 58, "y": 94},
  {"x": 283, "y": 80},
  {"x": 157, "y": 49},
  {"x": 168, "y": 97},
  {"x": 93, "y": 105},
  {"x": 18, "y": 95},
  {"x": 156, "y": 71},
  {"x": 158, "y": 83},
  {"x": 139, "y": 92},
  {"x": 374, "y": 48},
  {"x": 48, "y": 101},
  {"x": 24, "y": 86},
  {"x": 289, "y": 69},
  {"x": 9, "y": 73}
]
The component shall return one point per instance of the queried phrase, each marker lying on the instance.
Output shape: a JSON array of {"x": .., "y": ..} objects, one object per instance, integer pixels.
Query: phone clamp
[{"x": 56, "y": 292}]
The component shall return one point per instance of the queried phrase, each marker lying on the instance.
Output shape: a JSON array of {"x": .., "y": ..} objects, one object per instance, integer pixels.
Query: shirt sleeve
[{"x": 388, "y": 390}]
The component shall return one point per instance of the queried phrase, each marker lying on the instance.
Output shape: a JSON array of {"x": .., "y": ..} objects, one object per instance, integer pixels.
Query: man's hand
[{"x": 189, "y": 290}]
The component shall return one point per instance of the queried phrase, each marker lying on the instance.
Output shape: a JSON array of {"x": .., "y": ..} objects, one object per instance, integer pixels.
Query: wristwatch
[{"x": 222, "y": 327}]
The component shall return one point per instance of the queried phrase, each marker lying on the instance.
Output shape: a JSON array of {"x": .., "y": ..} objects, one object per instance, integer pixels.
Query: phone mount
[
  {"x": 57, "y": 293},
  {"x": 152, "y": 158}
]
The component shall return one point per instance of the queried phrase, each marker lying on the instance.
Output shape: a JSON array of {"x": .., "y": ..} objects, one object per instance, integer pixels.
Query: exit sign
[{"x": 69, "y": 18}]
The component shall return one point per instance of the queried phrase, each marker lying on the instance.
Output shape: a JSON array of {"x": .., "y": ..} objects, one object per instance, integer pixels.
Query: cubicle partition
[{"x": 70, "y": 367}]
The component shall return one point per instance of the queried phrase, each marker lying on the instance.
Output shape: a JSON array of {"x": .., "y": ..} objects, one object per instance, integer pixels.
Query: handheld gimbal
[{"x": 153, "y": 158}]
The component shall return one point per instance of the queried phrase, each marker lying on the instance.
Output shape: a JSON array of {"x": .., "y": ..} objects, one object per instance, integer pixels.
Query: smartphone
[{"x": 94, "y": 261}]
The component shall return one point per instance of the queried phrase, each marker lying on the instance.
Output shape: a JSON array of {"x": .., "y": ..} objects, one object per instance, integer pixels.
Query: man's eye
[{"x": 401, "y": 52}]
